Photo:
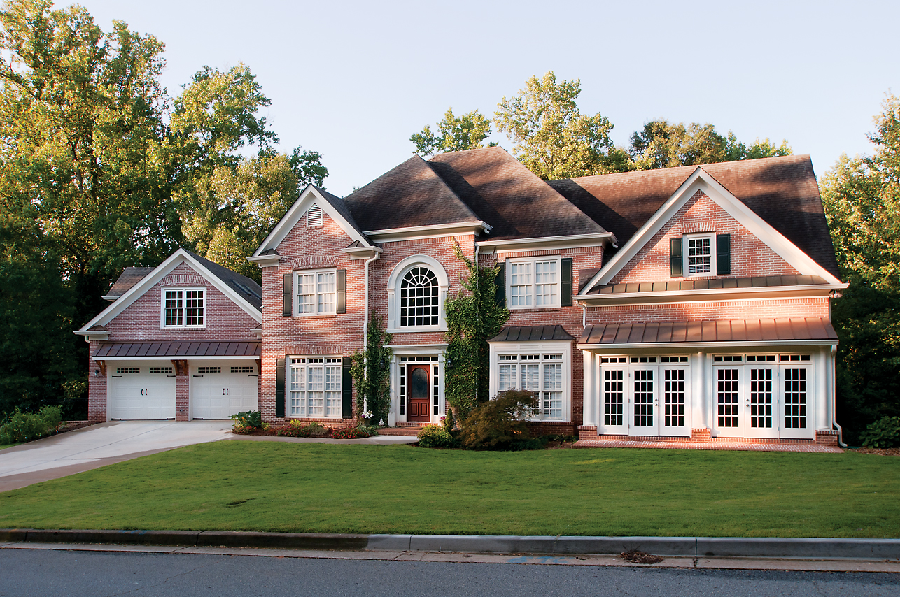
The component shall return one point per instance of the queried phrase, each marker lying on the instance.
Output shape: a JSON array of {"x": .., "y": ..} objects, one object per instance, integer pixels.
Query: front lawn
[{"x": 236, "y": 485}]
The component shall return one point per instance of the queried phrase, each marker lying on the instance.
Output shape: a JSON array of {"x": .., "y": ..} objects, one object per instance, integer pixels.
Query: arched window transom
[{"x": 419, "y": 304}]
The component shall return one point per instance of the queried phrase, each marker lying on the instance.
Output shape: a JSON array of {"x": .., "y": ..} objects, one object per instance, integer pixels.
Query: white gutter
[
  {"x": 366, "y": 306},
  {"x": 708, "y": 344},
  {"x": 834, "y": 422}
]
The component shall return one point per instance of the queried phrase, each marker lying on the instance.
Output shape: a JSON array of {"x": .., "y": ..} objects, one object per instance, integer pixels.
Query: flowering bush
[
  {"x": 296, "y": 428},
  {"x": 349, "y": 433},
  {"x": 248, "y": 421}
]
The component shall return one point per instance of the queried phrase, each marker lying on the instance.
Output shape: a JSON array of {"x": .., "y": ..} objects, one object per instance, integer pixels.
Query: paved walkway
[{"x": 715, "y": 444}]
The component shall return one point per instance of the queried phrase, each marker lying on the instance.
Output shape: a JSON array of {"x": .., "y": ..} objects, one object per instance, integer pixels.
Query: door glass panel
[
  {"x": 674, "y": 398},
  {"x": 418, "y": 383},
  {"x": 795, "y": 398},
  {"x": 613, "y": 397},
  {"x": 727, "y": 397},
  {"x": 643, "y": 398},
  {"x": 761, "y": 398}
]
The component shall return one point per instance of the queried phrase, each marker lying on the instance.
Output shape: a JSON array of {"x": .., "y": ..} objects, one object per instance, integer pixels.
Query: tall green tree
[
  {"x": 455, "y": 133},
  {"x": 862, "y": 203},
  {"x": 552, "y": 138}
]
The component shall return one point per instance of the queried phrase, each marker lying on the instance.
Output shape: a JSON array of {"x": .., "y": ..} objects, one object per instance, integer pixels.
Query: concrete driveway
[{"x": 99, "y": 445}]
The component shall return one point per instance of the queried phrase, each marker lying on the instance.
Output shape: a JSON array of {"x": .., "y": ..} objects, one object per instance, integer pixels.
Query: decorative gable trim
[
  {"x": 165, "y": 268},
  {"x": 308, "y": 197},
  {"x": 700, "y": 180}
]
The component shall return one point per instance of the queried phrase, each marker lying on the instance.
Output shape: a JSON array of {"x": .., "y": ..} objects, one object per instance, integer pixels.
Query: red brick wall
[
  {"x": 96, "y": 387},
  {"x": 711, "y": 310},
  {"x": 749, "y": 255}
]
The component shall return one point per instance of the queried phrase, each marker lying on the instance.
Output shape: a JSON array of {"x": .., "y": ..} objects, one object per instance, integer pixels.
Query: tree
[
  {"x": 553, "y": 139},
  {"x": 454, "y": 134},
  {"x": 861, "y": 196}
]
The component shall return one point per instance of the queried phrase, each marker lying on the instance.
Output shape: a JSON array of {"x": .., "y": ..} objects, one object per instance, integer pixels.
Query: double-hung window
[
  {"x": 183, "y": 308},
  {"x": 534, "y": 283},
  {"x": 540, "y": 373},
  {"x": 700, "y": 255},
  {"x": 316, "y": 292},
  {"x": 315, "y": 387}
]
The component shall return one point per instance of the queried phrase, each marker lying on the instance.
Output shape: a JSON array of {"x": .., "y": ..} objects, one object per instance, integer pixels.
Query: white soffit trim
[
  {"x": 414, "y": 232},
  {"x": 597, "y": 239},
  {"x": 725, "y": 294},
  {"x": 681, "y": 346},
  {"x": 414, "y": 349},
  {"x": 701, "y": 180},
  {"x": 162, "y": 270},
  {"x": 309, "y": 196},
  {"x": 178, "y": 358}
]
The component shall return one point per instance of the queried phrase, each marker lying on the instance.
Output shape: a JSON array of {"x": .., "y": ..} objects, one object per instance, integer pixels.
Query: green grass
[
  {"x": 265, "y": 486},
  {"x": 2, "y": 446}
]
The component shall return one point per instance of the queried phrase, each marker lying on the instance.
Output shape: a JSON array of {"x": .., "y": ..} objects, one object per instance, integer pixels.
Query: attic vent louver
[{"x": 314, "y": 217}]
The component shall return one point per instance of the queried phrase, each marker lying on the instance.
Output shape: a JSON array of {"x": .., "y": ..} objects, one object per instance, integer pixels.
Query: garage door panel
[
  {"x": 141, "y": 391},
  {"x": 221, "y": 389}
]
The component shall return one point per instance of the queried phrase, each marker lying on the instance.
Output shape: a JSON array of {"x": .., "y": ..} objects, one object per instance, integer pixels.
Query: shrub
[
  {"x": 369, "y": 430},
  {"x": 24, "y": 427},
  {"x": 883, "y": 433},
  {"x": 436, "y": 436},
  {"x": 247, "y": 421},
  {"x": 499, "y": 424},
  {"x": 296, "y": 428},
  {"x": 349, "y": 433}
]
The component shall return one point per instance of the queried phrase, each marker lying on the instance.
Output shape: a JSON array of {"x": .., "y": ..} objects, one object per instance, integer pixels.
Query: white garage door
[
  {"x": 220, "y": 389},
  {"x": 141, "y": 390}
]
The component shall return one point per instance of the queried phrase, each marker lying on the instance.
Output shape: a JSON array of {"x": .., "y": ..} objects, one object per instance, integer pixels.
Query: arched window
[{"x": 419, "y": 304}]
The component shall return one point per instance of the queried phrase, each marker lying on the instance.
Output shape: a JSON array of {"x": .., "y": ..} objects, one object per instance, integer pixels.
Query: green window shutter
[
  {"x": 341, "y": 291},
  {"x": 288, "y": 295},
  {"x": 723, "y": 254},
  {"x": 346, "y": 389},
  {"x": 500, "y": 282},
  {"x": 566, "y": 280},
  {"x": 676, "y": 260},
  {"x": 279, "y": 387}
]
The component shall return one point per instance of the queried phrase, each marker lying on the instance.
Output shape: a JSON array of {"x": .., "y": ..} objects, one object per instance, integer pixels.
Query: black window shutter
[
  {"x": 279, "y": 387},
  {"x": 676, "y": 262},
  {"x": 566, "y": 280},
  {"x": 288, "y": 295},
  {"x": 341, "y": 291},
  {"x": 723, "y": 254},
  {"x": 346, "y": 389},
  {"x": 500, "y": 282}
]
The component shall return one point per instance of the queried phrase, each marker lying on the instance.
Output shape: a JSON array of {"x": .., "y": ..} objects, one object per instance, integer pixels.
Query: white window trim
[
  {"x": 563, "y": 347},
  {"x": 686, "y": 257},
  {"x": 289, "y": 365},
  {"x": 296, "y": 291},
  {"x": 393, "y": 290},
  {"x": 533, "y": 286},
  {"x": 182, "y": 289}
]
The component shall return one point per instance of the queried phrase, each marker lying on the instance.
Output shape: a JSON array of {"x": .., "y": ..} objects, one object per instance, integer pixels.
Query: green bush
[
  {"x": 296, "y": 428},
  {"x": 500, "y": 424},
  {"x": 349, "y": 433},
  {"x": 436, "y": 436},
  {"x": 24, "y": 427},
  {"x": 248, "y": 421},
  {"x": 883, "y": 433},
  {"x": 369, "y": 430}
]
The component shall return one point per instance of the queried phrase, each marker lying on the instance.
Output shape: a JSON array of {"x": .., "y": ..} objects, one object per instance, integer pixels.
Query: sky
[{"x": 353, "y": 80}]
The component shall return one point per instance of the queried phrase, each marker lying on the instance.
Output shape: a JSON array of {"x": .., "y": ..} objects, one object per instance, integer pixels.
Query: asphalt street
[{"x": 27, "y": 572}]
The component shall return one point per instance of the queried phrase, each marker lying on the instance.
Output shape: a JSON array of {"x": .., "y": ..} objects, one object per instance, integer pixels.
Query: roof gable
[
  {"x": 128, "y": 278},
  {"x": 221, "y": 280},
  {"x": 509, "y": 197}
]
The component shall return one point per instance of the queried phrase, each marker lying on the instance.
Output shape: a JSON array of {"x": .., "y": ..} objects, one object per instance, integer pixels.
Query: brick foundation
[
  {"x": 827, "y": 438},
  {"x": 700, "y": 435}
]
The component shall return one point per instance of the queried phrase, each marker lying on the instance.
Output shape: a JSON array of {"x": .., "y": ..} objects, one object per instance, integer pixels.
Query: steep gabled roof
[
  {"x": 129, "y": 277},
  {"x": 341, "y": 207},
  {"x": 782, "y": 191},
  {"x": 409, "y": 195},
  {"x": 246, "y": 288},
  {"x": 509, "y": 197}
]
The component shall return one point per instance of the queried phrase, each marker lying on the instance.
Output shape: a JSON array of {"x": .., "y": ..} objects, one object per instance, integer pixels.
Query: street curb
[{"x": 869, "y": 549}]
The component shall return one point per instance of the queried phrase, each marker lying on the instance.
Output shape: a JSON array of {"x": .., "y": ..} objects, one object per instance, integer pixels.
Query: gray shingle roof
[
  {"x": 128, "y": 278},
  {"x": 248, "y": 289}
]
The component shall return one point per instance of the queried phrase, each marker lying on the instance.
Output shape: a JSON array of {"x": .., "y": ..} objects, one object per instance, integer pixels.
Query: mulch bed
[{"x": 879, "y": 451}]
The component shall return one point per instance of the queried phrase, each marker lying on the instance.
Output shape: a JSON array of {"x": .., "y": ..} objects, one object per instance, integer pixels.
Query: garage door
[
  {"x": 220, "y": 389},
  {"x": 141, "y": 390}
]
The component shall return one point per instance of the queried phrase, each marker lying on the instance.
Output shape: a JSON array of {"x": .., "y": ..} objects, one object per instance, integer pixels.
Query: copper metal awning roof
[
  {"x": 710, "y": 284},
  {"x": 729, "y": 330},
  {"x": 176, "y": 349},
  {"x": 531, "y": 333}
]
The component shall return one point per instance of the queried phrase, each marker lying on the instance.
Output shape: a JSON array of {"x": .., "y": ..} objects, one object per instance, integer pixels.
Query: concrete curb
[{"x": 868, "y": 549}]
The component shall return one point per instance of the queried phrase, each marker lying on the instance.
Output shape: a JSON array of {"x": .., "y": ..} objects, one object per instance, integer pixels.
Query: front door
[{"x": 419, "y": 397}]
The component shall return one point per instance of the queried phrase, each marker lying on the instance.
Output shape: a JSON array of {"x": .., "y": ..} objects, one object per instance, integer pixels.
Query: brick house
[
  {"x": 179, "y": 341},
  {"x": 689, "y": 301}
]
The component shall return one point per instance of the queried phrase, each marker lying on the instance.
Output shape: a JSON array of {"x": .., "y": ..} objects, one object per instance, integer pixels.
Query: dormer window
[
  {"x": 183, "y": 308},
  {"x": 314, "y": 217}
]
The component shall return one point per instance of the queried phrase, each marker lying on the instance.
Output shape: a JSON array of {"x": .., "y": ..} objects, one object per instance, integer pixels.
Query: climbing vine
[
  {"x": 371, "y": 373},
  {"x": 474, "y": 316}
]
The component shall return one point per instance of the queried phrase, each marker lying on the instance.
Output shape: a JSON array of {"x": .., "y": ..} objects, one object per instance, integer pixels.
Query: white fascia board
[
  {"x": 701, "y": 180},
  {"x": 362, "y": 252},
  {"x": 309, "y": 196},
  {"x": 596, "y": 239},
  {"x": 681, "y": 346},
  {"x": 175, "y": 259},
  {"x": 416, "y": 232},
  {"x": 727, "y": 294},
  {"x": 178, "y": 358},
  {"x": 110, "y": 297},
  {"x": 530, "y": 342},
  {"x": 415, "y": 349}
]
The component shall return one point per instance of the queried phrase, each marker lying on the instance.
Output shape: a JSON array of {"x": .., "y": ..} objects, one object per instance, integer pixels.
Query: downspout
[
  {"x": 477, "y": 271},
  {"x": 834, "y": 422},
  {"x": 366, "y": 307}
]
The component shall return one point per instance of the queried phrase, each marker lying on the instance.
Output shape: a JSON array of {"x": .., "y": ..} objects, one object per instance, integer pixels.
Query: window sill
[
  {"x": 436, "y": 328},
  {"x": 183, "y": 327},
  {"x": 314, "y": 315}
]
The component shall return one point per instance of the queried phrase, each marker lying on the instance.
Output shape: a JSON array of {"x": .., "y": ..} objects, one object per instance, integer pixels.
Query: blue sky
[{"x": 353, "y": 80}]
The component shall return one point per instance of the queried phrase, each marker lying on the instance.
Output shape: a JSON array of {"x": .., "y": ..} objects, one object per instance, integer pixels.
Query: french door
[
  {"x": 762, "y": 401},
  {"x": 645, "y": 399}
]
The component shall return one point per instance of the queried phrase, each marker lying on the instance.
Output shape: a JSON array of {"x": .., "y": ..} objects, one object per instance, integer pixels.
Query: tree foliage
[
  {"x": 862, "y": 203},
  {"x": 371, "y": 373},
  {"x": 455, "y": 133},
  {"x": 552, "y": 138},
  {"x": 473, "y": 317}
]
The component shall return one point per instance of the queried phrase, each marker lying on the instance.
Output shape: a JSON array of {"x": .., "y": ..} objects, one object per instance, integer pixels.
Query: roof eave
[
  {"x": 725, "y": 344},
  {"x": 593, "y": 239},
  {"x": 431, "y": 230},
  {"x": 705, "y": 293}
]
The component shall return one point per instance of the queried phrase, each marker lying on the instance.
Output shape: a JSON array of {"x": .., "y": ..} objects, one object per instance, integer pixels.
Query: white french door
[
  {"x": 644, "y": 402},
  {"x": 763, "y": 401},
  {"x": 675, "y": 401}
]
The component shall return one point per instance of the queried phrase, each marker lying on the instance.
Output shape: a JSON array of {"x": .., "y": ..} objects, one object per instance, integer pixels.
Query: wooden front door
[{"x": 419, "y": 398}]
